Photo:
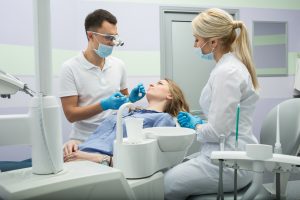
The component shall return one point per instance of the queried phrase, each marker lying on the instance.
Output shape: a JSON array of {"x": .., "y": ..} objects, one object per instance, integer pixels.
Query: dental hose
[
  {"x": 237, "y": 126},
  {"x": 236, "y": 148}
]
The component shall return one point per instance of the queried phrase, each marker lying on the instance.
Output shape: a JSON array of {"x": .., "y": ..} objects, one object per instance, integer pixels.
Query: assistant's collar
[{"x": 224, "y": 56}]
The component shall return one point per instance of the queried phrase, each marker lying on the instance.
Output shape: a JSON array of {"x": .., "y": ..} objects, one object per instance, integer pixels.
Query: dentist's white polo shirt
[{"x": 81, "y": 78}]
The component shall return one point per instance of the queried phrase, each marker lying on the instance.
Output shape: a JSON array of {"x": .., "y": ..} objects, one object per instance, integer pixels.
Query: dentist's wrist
[
  {"x": 104, "y": 105},
  {"x": 198, "y": 126}
]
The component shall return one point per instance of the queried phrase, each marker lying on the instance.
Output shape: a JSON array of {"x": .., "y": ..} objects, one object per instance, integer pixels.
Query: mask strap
[
  {"x": 203, "y": 45},
  {"x": 96, "y": 39},
  {"x": 213, "y": 49},
  {"x": 98, "y": 43}
]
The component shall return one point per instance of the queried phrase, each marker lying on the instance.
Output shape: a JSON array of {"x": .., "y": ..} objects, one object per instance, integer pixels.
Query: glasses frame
[
  {"x": 113, "y": 38},
  {"x": 109, "y": 37}
]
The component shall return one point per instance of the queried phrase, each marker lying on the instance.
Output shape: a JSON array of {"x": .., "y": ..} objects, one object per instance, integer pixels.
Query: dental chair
[{"x": 290, "y": 142}]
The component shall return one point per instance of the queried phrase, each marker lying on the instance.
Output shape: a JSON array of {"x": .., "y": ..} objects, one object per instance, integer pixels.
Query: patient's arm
[
  {"x": 71, "y": 146},
  {"x": 81, "y": 155}
]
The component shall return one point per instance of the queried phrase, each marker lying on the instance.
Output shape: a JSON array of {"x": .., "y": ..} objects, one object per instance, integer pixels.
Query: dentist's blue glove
[
  {"x": 114, "y": 101},
  {"x": 137, "y": 93},
  {"x": 187, "y": 120}
]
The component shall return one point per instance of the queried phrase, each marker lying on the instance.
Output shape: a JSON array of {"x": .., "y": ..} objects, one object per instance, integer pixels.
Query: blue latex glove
[
  {"x": 137, "y": 93},
  {"x": 114, "y": 101},
  {"x": 187, "y": 120}
]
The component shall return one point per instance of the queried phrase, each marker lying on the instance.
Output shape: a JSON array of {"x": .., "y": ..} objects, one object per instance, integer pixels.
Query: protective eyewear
[{"x": 114, "y": 38}]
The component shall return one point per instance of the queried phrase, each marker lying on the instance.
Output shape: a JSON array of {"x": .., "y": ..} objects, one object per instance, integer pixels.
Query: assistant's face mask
[
  {"x": 209, "y": 56},
  {"x": 103, "y": 50}
]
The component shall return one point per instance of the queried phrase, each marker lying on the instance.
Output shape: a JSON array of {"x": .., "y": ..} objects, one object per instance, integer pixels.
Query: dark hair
[{"x": 95, "y": 19}]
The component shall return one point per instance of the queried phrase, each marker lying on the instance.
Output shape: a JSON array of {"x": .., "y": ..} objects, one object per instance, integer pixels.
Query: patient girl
[{"x": 165, "y": 100}]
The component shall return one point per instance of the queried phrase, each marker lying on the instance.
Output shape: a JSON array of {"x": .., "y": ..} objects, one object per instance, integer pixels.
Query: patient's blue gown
[{"x": 101, "y": 141}]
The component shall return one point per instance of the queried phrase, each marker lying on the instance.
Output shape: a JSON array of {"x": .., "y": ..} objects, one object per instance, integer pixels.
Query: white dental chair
[{"x": 290, "y": 142}]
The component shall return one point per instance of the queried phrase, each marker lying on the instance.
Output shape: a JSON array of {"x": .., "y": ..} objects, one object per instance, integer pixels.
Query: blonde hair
[
  {"x": 217, "y": 23},
  {"x": 178, "y": 102}
]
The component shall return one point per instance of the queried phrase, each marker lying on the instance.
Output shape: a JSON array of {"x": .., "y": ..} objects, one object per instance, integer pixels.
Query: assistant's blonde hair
[
  {"x": 178, "y": 102},
  {"x": 217, "y": 23}
]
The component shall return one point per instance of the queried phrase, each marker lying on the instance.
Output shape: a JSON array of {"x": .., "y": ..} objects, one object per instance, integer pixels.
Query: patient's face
[{"x": 159, "y": 90}]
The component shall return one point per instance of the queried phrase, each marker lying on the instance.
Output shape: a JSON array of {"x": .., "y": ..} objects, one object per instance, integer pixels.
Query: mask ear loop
[
  {"x": 96, "y": 38},
  {"x": 97, "y": 41},
  {"x": 203, "y": 45},
  {"x": 213, "y": 49}
]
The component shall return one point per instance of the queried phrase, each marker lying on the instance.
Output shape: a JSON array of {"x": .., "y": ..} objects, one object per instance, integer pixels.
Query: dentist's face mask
[
  {"x": 209, "y": 56},
  {"x": 103, "y": 50}
]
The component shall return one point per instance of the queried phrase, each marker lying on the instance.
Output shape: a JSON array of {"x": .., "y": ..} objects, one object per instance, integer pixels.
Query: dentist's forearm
[{"x": 81, "y": 113}]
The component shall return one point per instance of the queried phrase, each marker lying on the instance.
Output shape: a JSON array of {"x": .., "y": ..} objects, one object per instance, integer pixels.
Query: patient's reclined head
[{"x": 168, "y": 93}]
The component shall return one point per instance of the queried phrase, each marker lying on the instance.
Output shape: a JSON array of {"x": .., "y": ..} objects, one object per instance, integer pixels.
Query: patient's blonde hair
[
  {"x": 217, "y": 23},
  {"x": 178, "y": 102}
]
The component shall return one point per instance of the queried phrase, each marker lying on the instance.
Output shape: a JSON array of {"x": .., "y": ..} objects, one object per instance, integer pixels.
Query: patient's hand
[
  {"x": 81, "y": 155},
  {"x": 71, "y": 146}
]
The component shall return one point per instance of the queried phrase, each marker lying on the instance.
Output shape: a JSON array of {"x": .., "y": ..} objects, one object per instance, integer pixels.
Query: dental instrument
[
  {"x": 237, "y": 126},
  {"x": 277, "y": 147},
  {"x": 222, "y": 142},
  {"x": 278, "y": 150},
  {"x": 236, "y": 148}
]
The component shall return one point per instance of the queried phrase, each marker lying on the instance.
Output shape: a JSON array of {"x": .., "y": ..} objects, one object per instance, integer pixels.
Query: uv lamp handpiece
[{"x": 10, "y": 84}]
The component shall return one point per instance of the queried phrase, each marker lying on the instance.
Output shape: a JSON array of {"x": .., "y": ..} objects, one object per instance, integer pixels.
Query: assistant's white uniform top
[
  {"x": 81, "y": 78},
  {"x": 229, "y": 84}
]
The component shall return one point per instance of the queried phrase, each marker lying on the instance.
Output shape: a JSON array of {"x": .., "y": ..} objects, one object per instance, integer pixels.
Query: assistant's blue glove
[
  {"x": 137, "y": 93},
  {"x": 187, "y": 120},
  {"x": 114, "y": 101}
]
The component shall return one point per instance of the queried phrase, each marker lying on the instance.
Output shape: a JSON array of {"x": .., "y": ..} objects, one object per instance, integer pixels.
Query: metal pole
[
  {"x": 235, "y": 183},
  {"x": 277, "y": 186},
  {"x": 220, "y": 189}
]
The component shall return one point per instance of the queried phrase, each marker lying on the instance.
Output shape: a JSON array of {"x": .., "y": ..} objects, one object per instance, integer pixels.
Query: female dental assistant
[{"x": 233, "y": 81}]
